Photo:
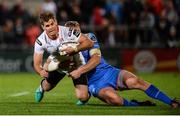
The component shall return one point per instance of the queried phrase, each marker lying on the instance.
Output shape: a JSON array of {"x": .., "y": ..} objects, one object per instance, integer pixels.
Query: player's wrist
[
  {"x": 38, "y": 70},
  {"x": 81, "y": 70}
]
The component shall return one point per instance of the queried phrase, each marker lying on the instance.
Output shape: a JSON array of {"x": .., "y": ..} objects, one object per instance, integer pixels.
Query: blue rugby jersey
[{"x": 101, "y": 69}]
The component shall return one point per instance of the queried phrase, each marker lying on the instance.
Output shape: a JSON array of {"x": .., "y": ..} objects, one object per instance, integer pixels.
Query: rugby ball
[
  {"x": 53, "y": 65},
  {"x": 65, "y": 45}
]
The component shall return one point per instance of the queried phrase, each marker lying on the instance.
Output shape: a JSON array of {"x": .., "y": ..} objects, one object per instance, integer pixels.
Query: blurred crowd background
[{"x": 116, "y": 23}]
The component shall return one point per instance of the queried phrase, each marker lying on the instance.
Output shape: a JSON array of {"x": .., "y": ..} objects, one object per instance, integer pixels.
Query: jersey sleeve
[
  {"x": 95, "y": 51},
  {"x": 96, "y": 47},
  {"x": 38, "y": 47},
  {"x": 94, "y": 39}
]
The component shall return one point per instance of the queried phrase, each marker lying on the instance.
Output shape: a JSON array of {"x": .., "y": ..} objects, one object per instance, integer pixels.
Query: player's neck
[{"x": 54, "y": 37}]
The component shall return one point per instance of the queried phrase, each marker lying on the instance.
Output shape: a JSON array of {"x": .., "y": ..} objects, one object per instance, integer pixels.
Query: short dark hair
[{"x": 45, "y": 17}]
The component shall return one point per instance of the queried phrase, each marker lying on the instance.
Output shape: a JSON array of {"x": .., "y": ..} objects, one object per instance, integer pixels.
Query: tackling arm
[
  {"x": 91, "y": 64},
  {"x": 84, "y": 43}
]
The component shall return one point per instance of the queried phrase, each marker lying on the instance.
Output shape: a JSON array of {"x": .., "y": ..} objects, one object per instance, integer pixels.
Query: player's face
[{"x": 51, "y": 28}]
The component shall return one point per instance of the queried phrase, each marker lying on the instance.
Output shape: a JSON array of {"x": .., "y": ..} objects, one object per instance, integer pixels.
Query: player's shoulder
[
  {"x": 41, "y": 39},
  {"x": 92, "y": 36}
]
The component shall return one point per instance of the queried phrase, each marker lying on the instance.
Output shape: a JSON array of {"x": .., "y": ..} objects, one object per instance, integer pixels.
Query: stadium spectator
[
  {"x": 19, "y": 11},
  {"x": 171, "y": 13},
  {"x": 87, "y": 7},
  {"x": 1, "y": 35},
  {"x": 63, "y": 11},
  {"x": 129, "y": 18},
  {"x": 111, "y": 41},
  {"x": 173, "y": 37},
  {"x": 177, "y": 5},
  {"x": 32, "y": 32},
  {"x": 146, "y": 24},
  {"x": 19, "y": 31},
  {"x": 157, "y": 6},
  {"x": 4, "y": 11},
  {"x": 104, "y": 80},
  {"x": 49, "y": 5},
  {"x": 133, "y": 30},
  {"x": 8, "y": 32},
  {"x": 76, "y": 12},
  {"x": 100, "y": 21},
  {"x": 115, "y": 8},
  {"x": 163, "y": 27},
  {"x": 132, "y": 6}
]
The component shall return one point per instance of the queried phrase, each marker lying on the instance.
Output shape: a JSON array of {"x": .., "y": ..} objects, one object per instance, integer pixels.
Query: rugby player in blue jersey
[{"x": 104, "y": 80}]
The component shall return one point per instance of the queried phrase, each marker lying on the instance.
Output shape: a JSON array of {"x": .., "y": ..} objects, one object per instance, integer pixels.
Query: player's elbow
[
  {"x": 97, "y": 62},
  {"x": 96, "y": 58}
]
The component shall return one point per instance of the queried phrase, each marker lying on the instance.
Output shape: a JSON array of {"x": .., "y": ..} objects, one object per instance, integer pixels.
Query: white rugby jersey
[
  {"x": 66, "y": 35},
  {"x": 44, "y": 43}
]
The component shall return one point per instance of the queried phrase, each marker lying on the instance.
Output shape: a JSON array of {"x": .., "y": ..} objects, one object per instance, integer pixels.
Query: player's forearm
[
  {"x": 85, "y": 44},
  {"x": 91, "y": 64},
  {"x": 38, "y": 68},
  {"x": 37, "y": 58}
]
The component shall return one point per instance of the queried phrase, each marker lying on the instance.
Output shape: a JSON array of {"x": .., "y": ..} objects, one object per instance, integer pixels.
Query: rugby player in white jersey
[{"x": 53, "y": 37}]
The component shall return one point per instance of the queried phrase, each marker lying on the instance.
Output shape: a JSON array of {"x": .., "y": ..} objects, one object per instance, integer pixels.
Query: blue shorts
[{"x": 105, "y": 78}]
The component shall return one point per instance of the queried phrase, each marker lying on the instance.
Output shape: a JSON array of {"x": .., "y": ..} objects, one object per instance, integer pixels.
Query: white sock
[{"x": 40, "y": 88}]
